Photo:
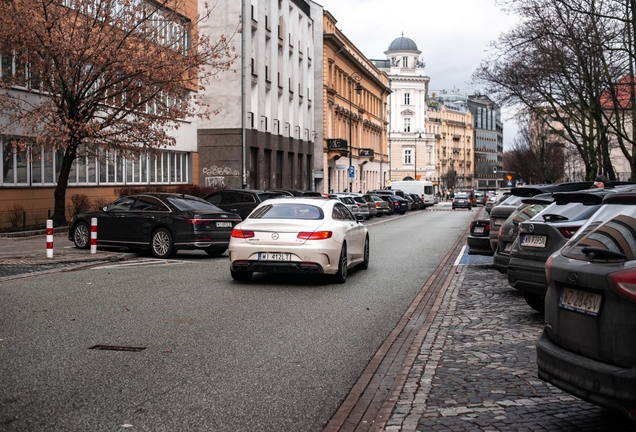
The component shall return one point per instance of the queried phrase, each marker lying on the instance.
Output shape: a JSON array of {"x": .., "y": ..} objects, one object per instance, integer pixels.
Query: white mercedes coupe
[{"x": 299, "y": 235}]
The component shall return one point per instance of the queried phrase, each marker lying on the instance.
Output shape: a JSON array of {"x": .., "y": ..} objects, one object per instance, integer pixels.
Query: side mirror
[{"x": 105, "y": 208}]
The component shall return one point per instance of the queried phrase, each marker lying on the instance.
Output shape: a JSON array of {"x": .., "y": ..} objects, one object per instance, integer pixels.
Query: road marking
[
  {"x": 460, "y": 256},
  {"x": 147, "y": 262}
]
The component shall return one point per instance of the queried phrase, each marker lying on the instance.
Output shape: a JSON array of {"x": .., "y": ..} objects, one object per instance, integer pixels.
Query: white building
[
  {"x": 263, "y": 135},
  {"x": 411, "y": 146}
]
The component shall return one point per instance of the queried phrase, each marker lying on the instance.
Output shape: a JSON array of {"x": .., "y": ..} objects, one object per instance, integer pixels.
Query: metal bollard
[
  {"x": 93, "y": 235},
  {"x": 49, "y": 238}
]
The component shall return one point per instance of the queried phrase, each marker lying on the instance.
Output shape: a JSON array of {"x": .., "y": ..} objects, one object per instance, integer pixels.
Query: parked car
[
  {"x": 418, "y": 202},
  {"x": 240, "y": 201},
  {"x": 588, "y": 347},
  {"x": 462, "y": 200},
  {"x": 480, "y": 198},
  {"x": 364, "y": 207},
  {"x": 161, "y": 222},
  {"x": 479, "y": 238},
  {"x": 509, "y": 230},
  {"x": 496, "y": 199},
  {"x": 396, "y": 204},
  {"x": 381, "y": 205},
  {"x": 351, "y": 204},
  {"x": 545, "y": 234},
  {"x": 296, "y": 192},
  {"x": 410, "y": 201},
  {"x": 299, "y": 235}
]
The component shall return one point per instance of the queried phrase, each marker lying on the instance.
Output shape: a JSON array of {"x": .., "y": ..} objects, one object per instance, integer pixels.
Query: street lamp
[{"x": 354, "y": 78}]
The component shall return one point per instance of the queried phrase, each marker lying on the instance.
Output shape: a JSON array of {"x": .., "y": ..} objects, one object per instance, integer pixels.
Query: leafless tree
[{"x": 95, "y": 75}]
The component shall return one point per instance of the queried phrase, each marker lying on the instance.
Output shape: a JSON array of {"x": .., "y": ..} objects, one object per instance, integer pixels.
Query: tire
[
  {"x": 215, "y": 251},
  {"x": 365, "y": 264},
  {"x": 161, "y": 244},
  {"x": 82, "y": 236},
  {"x": 241, "y": 276},
  {"x": 535, "y": 301},
  {"x": 380, "y": 214},
  {"x": 341, "y": 276}
]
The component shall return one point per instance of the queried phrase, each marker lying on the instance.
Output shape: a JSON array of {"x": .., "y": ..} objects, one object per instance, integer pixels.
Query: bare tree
[{"x": 88, "y": 76}]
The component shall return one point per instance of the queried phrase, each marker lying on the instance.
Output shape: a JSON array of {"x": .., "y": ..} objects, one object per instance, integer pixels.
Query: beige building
[
  {"x": 451, "y": 122},
  {"x": 355, "y": 96}
]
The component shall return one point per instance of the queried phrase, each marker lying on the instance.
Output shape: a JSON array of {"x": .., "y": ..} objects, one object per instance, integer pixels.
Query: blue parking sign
[{"x": 352, "y": 172}]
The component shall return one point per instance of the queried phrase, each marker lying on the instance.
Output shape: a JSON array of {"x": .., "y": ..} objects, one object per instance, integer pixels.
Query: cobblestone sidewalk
[{"x": 476, "y": 370}]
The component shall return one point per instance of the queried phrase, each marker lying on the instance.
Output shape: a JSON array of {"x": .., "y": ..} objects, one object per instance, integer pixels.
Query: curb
[{"x": 32, "y": 233}]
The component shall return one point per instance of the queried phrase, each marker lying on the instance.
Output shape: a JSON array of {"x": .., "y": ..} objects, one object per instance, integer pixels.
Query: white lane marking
[
  {"x": 142, "y": 262},
  {"x": 459, "y": 257}
]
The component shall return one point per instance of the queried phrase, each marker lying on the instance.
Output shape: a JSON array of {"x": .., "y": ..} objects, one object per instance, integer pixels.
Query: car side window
[
  {"x": 342, "y": 212},
  {"x": 146, "y": 203},
  {"x": 122, "y": 204},
  {"x": 247, "y": 198},
  {"x": 215, "y": 199}
]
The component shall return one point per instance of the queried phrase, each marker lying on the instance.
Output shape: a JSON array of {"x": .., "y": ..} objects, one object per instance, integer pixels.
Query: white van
[{"x": 423, "y": 188}]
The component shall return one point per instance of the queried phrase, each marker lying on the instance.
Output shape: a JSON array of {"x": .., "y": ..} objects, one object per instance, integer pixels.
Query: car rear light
[
  {"x": 548, "y": 269},
  {"x": 487, "y": 228},
  {"x": 500, "y": 233},
  {"x": 237, "y": 233},
  {"x": 317, "y": 235},
  {"x": 196, "y": 221},
  {"x": 377, "y": 205},
  {"x": 568, "y": 232},
  {"x": 623, "y": 283},
  {"x": 359, "y": 205}
]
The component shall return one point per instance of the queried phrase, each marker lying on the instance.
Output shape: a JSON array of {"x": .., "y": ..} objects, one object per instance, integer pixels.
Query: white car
[{"x": 299, "y": 235}]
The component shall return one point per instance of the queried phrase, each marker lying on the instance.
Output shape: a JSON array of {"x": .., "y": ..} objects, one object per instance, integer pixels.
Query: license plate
[
  {"x": 478, "y": 230},
  {"x": 273, "y": 256},
  {"x": 533, "y": 241},
  {"x": 224, "y": 224},
  {"x": 580, "y": 301}
]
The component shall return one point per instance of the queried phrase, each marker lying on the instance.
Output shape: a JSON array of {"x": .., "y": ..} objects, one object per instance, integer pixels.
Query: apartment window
[
  {"x": 408, "y": 156},
  {"x": 405, "y": 62},
  {"x": 407, "y": 125},
  {"x": 407, "y": 98}
]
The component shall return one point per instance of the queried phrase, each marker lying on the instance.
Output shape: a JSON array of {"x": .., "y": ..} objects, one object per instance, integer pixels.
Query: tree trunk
[{"x": 59, "y": 214}]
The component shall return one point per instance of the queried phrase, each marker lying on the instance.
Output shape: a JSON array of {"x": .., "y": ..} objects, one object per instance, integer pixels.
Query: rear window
[
  {"x": 262, "y": 196},
  {"x": 525, "y": 212},
  {"x": 192, "y": 203},
  {"x": 288, "y": 211},
  {"x": 461, "y": 195},
  {"x": 567, "y": 212},
  {"x": 612, "y": 228}
]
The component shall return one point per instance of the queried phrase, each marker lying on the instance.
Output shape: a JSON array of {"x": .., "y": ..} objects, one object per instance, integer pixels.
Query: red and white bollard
[
  {"x": 49, "y": 238},
  {"x": 93, "y": 235}
]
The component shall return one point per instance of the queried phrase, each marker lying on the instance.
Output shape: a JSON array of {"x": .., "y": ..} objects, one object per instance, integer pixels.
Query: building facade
[
  {"x": 263, "y": 131},
  {"x": 411, "y": 145},
  {"x": 355, "y": 93},
  {"x": 488, "y": 141},
  {"x": 451, "y": 123}
]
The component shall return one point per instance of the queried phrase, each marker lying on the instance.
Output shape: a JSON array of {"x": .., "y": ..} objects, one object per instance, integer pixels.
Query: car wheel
[
  {"x": 365, "y": 264},
  {"x": 241, "y": 276},
  {"x": 380, "y": 214},
  {"x": 82, "y": 236},
  {"x": 161, "y": 244},
  {"x": 215, "y": 251},
  {"x": 341, "y": 275},
  {"x": 535, "y": 301}
]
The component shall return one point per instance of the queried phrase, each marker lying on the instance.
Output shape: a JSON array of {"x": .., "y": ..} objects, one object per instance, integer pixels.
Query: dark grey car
[
  {"x": 588, "y": 346},
  {"x": 240, "y": 201}
]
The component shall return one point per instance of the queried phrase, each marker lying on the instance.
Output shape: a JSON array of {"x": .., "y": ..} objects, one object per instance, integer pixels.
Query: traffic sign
[{"x": 352, "y": 172}]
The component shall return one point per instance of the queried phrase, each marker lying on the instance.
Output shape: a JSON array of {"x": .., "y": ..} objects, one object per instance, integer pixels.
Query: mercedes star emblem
[
  {"x": 531, "y": 228},
  {"x": 275, "y": 236}
]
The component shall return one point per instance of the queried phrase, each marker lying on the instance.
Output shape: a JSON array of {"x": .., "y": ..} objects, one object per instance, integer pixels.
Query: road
[{"x": 279, "y": 353}]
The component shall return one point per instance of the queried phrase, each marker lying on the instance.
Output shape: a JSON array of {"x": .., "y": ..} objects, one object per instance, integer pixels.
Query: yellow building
[
  {"x": 451, "y": 122},
  {"x": 355, "y": 96}
]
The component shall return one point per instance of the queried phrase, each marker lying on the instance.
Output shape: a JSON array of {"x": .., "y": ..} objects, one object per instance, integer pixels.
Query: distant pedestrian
[{"x": 601, "y": 182}]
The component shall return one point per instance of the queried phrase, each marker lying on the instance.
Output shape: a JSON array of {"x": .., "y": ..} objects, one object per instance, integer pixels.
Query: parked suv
[
  {"x": 588, "y": 347},
  {"x": 240, "y": 201}
]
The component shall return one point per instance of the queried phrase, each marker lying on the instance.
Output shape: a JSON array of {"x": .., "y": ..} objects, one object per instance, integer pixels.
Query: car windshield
[
  {"x": 288, "y": 211},
  {"x": 191, "y": 203}
]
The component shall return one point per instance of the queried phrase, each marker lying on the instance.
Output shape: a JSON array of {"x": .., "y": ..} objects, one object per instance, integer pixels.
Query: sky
[{"x": 453, "y": 35}]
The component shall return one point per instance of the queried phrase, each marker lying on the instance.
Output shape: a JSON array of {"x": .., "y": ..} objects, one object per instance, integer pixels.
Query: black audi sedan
[
  {"x": 161, "y": 222},
  {"x": 588, "y": 347}
]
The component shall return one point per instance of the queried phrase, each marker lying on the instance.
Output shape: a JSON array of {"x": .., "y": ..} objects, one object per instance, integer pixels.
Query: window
[
  {"x": 405, "y": 62},
  {"x": 407, "y": 98},
  {"x": 408, "y": 156},
  {"x": 407, "y": 125}
]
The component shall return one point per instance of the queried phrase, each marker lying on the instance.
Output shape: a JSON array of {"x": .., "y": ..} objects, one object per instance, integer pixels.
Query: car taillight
[
  {"x": 377, "y": 205},
  {"x": 196, "y": 221},
  {"x": 568, "y": 232},
  {"x": 548, "y": 269},
  {"x": 623, "y": 283},
  {"x": 317, "y": 235},
  {"x": 237, "y": 233},
  {"x": 500, "y": 233},
  {"x": 359, "y": 205},
  {"x": 487, "y": 228}
]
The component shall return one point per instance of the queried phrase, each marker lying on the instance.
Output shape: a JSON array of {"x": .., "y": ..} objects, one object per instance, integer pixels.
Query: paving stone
[{"x": 476, "y": 370}]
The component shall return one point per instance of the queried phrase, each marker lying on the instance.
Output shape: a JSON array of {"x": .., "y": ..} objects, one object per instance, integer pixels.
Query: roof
[
  {"x": 622, "y": 94},
  {"x": 403, "y": 44}
]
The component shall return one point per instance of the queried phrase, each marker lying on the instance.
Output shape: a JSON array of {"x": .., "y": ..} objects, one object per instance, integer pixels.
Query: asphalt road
[{"x": 279, "y": 353}]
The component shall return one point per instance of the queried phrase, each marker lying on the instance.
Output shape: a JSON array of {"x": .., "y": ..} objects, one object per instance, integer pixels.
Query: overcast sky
[{"x": 453, "y": 35}]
